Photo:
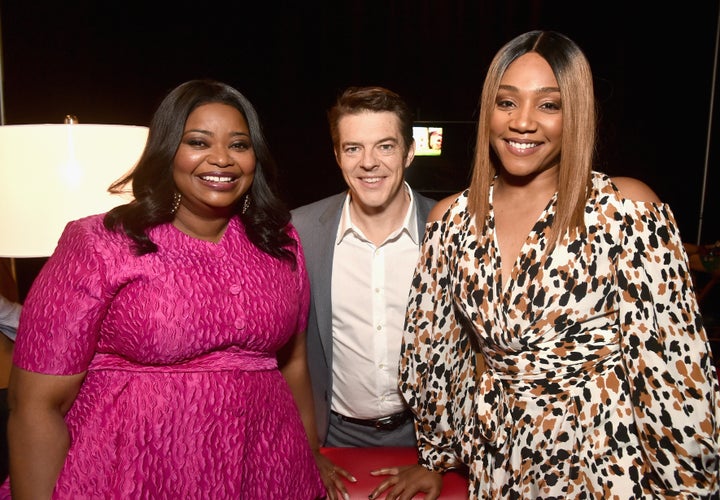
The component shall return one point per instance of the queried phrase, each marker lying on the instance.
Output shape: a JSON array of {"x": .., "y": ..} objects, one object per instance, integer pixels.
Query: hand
[
  {"x": 406, "y": 481},
  {"x": 331, "y": 476}
]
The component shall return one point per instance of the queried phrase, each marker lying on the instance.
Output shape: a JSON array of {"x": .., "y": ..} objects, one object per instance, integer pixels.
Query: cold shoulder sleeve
[
  {"x": 437, "y": 367},
  {"x": 62, "y": 314},
  {"x": 673, "y": 382}
]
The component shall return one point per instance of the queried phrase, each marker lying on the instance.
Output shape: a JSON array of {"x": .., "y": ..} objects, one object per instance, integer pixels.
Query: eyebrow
[
  {"x": 384, "y": 139},
  {"x": 541, "y": 90},
  {"x": 207, "y": 132}
]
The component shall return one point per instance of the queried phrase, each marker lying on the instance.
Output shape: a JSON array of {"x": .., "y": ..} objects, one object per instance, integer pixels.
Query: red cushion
[{"x": 360, "y": 461}]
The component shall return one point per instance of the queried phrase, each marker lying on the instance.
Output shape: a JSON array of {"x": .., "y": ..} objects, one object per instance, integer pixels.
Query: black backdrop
[{"x": 111, "y": 62}]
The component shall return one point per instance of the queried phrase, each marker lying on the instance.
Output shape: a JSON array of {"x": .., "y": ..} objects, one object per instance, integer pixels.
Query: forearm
[
  {"x": 38, "y": 443},
  {"x": 298, "y": 378},
  {"x": 292, "y": 360},
  {"x": 38, "y": 438}
]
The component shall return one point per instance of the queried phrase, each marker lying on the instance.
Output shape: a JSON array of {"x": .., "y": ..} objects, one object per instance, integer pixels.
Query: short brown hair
[{"x": 354, "y": 100}]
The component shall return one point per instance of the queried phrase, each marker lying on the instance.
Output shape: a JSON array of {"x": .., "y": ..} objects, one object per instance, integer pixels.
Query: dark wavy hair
[{"x": 153, "y": 187}]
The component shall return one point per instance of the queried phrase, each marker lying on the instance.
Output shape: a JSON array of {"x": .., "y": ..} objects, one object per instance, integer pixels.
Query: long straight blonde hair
[{"x": 572, "y": 71}]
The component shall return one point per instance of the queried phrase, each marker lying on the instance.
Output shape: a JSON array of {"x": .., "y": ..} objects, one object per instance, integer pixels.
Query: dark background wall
[{"x": 112, "y": 62}]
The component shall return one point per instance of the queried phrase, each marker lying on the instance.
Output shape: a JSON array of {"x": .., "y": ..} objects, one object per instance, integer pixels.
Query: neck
[
  {"x": 543, "y": 184},
  {"x": 208, "y": 229},
  {"x": 377, "y": 223}
]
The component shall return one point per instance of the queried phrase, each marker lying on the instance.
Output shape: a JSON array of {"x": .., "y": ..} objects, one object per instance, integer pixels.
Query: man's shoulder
[
  {"x": 317, "y": 216},
  {"x": 318, "y": 206},
  {"x": 425, "y": 199},
  {"x": 423, "y": 202}
]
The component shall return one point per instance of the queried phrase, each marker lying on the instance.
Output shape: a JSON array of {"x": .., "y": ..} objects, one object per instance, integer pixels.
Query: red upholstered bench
[{"x": 360, "y": 461}]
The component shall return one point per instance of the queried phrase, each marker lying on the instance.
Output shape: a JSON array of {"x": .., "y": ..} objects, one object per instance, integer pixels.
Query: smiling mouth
[
  {"x": 371, "y": 180},
  {"x": 523, "y": 145},
  {"x": 218, "y": 178}
]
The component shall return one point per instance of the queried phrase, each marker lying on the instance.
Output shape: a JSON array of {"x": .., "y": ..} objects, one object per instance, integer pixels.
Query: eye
[
  {"x": 504, "y": 104},
  {"x": 551, "y": 106},
  {"x": 387, "y": 148},
  {"x": 241, "y": 145},
  {"x": 351, "y": 150},
  {"x": 196, "y": 142}
]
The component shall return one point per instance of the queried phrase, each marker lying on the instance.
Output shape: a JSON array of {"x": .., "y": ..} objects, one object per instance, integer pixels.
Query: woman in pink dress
[{"x": 161, "y": 349}]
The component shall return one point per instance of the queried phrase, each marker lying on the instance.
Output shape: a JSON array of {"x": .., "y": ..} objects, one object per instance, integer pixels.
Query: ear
[{"x": 410, "y": 154}]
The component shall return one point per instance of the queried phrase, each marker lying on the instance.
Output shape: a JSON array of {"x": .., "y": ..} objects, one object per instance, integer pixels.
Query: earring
[
  {"x": 246, "y": 203},
  {"x": 176, "y": 203}
]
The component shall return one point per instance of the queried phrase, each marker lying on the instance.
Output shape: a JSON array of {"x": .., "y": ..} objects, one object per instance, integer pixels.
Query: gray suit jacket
[{"x": 317, "y": 225}]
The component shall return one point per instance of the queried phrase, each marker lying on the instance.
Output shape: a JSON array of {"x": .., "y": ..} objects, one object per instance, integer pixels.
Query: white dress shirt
[{"x": 370, "y": 291}]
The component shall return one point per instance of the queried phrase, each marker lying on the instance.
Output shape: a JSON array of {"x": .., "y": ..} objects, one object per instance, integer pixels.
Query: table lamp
[{"x": 51, "y": 174}]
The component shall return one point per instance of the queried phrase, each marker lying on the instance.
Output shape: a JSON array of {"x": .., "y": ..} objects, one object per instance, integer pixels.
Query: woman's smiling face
[
  {"x": 526, "y": 123},
  {"x": 214, "y": 164}
]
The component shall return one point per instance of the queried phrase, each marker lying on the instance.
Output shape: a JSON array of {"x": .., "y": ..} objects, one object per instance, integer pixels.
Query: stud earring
[
  {"x": 176, "y": 203},
  {"x": 246, "y": 203}
]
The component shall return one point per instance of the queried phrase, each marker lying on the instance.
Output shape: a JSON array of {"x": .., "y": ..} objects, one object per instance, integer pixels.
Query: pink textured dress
[{"x": 182, "y": 397}]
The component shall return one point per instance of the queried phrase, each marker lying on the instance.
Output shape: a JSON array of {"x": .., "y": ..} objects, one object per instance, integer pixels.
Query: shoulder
[
  {"x": 635, "y": 190},
  {"x": 319, "y": 206},
  {"x": 423, "y": 202},
  {"x": 88, "y": 236},
  {"x": 317, "y": 220},
  {"x": 90, "y": 227},
  {"x": 423, "y": 205},
  {"x": 292, "y": 231},
  {"x": 441, "y": 207},
  {"x": 88, "y": 221},
  {"x": 88, "y": 242}
]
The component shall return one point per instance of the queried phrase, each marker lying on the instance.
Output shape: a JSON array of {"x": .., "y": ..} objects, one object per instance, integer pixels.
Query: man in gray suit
[{"x": 361, "y": 248}]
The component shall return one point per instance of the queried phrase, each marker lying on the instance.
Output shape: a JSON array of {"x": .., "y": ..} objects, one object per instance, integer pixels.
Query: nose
[
  {"x": 368, "y": 159},
  {"x": 522, "y": 119},
  {"x": 220, "y": 157}
]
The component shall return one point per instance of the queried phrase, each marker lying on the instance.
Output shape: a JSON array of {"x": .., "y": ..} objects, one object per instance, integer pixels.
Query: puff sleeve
[
  {"x": 673, "y": 382},
  {"x": 61, "y": 317},
  {"x": 437, "y": 365}
]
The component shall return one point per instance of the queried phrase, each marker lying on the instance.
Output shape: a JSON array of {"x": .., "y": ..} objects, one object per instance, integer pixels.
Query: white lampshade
[{"x": 55, "y": 173}]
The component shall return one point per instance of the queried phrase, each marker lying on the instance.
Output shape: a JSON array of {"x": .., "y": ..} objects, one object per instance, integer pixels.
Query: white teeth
[
  {"x": 522, "y": 145},
  {"x": 215, "y": 178},
  {"x": 371, "y": 180}
]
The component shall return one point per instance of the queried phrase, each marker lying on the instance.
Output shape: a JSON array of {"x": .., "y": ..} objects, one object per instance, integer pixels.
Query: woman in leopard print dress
[{"x": 553, "y": 340}]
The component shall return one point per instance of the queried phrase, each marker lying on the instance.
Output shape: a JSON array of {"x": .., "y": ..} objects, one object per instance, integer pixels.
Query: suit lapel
[{"x": 329, "y": 221}]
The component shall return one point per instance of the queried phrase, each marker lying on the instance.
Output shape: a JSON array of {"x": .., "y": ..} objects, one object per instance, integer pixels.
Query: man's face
[{"x": 373, "y": 157}]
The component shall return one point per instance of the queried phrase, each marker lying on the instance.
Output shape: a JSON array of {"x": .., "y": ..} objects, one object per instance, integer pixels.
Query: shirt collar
[{"x": 409, "y": 225}]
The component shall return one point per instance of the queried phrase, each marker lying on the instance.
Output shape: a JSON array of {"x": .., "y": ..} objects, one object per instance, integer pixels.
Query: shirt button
[{"x": 235, "y": 289}]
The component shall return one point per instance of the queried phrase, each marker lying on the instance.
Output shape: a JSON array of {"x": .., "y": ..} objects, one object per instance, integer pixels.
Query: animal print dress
[{"x": 598, "y": 378}]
